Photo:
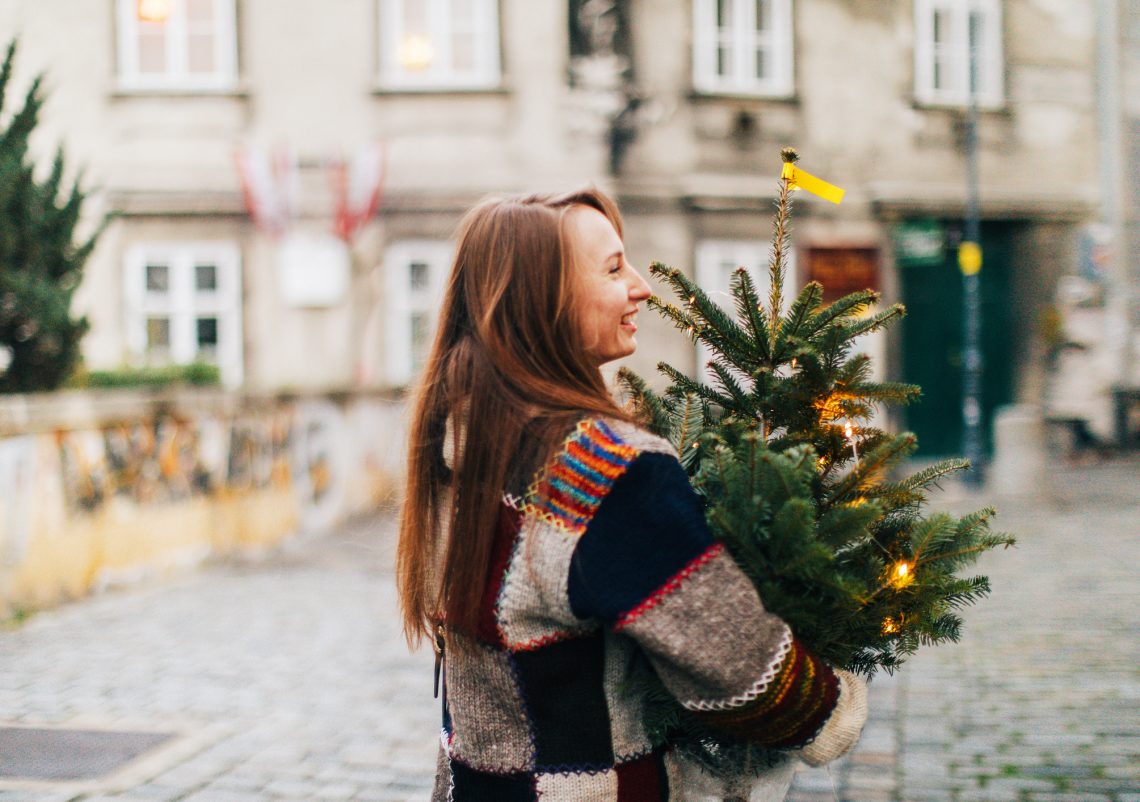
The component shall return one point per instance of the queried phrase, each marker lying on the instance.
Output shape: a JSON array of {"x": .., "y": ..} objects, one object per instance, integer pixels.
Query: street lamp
[{"x": 970, "y": 263}]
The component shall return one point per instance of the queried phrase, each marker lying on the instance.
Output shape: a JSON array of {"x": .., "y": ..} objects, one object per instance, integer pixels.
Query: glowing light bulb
[
  {"x": 849, "y": 433},
  {"x": 153, "y": 10},
  {"x": 902, "y": 574},
  {"x": 889, "y": 626},
  {"x": 416, "y": 53}
]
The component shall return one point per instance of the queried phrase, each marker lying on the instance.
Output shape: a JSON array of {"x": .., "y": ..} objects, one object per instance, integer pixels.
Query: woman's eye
[{"x": 615, "y": 268}]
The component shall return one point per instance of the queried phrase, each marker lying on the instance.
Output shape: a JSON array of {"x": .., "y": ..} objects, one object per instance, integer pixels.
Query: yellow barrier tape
[{"x": 816, "y": 186}]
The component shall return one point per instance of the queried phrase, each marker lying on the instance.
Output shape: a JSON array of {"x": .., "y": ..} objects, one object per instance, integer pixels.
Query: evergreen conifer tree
[
  {"x": 798, "y": 484},
  {"x": 40, "y": 262}
]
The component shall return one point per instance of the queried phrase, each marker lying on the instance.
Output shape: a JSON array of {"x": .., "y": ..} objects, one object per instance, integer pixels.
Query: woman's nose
[{"x": 639, "y": 288}]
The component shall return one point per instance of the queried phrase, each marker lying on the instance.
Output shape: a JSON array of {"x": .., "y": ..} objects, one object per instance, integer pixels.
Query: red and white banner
[
  {"x": 270, "y": 187},
  {"x": 358, "y": 188}
]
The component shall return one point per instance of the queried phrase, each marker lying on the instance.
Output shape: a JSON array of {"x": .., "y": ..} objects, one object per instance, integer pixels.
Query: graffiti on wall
[
  {"x": 319, "y": 442},
  {"x": 172, "y": 458},
  {"x": 17, "y": 477}
]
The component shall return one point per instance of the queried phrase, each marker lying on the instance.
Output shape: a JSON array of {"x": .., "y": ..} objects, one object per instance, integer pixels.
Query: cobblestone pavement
[{"x": 289, "y": 680}]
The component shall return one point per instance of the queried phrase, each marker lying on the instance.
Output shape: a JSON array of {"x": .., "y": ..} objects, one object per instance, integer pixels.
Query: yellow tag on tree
[
  {"x": 969, "y": 258},
  {"x": 816, "y": 186}
]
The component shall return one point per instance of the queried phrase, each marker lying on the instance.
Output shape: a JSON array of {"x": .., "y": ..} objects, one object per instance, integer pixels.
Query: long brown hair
[{"x": 508, "y": 356}]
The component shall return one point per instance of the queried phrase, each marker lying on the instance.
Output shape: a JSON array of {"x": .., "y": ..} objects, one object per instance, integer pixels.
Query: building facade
[{"x": 285, "y": 175}]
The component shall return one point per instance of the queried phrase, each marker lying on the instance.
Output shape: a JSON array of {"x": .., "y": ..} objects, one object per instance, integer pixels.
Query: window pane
[
  {"x": 200, "y": 53},
  {"x": 761, "y": 63},
  {"x": 463, "y": 49},
  {"x": 207, "y": 333},
  {"x": 205, "y": 278},
  {"x": 158, "y": 334},
  {"x": 416, "y": 17},
  {"x": 152, "y": 48},
  {"x": 462, "y": 13},
  {"x": 418, "y": 276},
  {"x": 200, "y": 10},
  {"x": 157, "y": 278},
  {"x": 941, "y": 50},
  {"x": 941, "y": 27},
  {"x": 724, "y": 13},
  {"x": 763, "y": 16},
  {"x": 723, "y": 59},
  {"x": 419, "y": 324}
]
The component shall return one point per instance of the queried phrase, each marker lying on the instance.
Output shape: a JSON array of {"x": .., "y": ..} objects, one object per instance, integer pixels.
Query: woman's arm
[{"x": 648, "y": 567}]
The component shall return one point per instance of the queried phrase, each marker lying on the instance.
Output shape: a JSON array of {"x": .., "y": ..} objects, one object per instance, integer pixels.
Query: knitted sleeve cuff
[{"x": 845, "y": 724}]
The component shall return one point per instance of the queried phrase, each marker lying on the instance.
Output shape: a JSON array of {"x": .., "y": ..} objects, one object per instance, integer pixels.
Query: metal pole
[
  {"x": 1120, "y": 311},
  {"x": 970, "y": 262}
]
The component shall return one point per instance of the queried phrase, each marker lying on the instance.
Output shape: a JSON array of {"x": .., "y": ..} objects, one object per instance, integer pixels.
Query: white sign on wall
[{"x": 313, "y": 269}]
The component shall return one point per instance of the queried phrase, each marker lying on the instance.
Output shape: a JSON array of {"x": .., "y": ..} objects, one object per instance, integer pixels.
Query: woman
[{"x": 549, "y": 544}]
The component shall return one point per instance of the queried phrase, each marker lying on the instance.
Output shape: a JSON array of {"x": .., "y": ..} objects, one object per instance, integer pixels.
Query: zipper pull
[{"x": 438, "y": 646}]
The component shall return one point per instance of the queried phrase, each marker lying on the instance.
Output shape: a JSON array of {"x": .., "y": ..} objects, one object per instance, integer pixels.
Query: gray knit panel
[
  {"x": 534, "y": 604},
  {"x": 490, "y": 731},
  {"x": 640, "y": 439},
  {"x": 601, "y": 786},
  {"x": 626, "y": 705},
  {"x": 442, "y": 790},
  {"x": 710, "y": 639}
]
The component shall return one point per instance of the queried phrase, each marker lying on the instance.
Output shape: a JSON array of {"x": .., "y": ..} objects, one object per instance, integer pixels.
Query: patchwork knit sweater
[{"x": 604, "y": 561}]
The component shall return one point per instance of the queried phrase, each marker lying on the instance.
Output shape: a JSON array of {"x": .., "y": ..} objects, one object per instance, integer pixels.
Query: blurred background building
[{"x": 285, "y": 175}]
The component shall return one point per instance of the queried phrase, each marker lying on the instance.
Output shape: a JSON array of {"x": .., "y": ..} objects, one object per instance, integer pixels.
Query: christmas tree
[
  {"x": 40, "y": 262},
  {"x": 800, "y": 486}
]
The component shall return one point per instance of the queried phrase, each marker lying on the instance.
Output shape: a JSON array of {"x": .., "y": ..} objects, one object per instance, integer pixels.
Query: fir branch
[
  {"x": 648, "y": 406},
  {"x": 750, "y": 310},
  {"x": 781, "y": 234},
  {"x": 687, "y": 386},
  {"x": 729, "y": 384},
  {"x": 875, "y": 322},
  {"x": 801, "y": 312},
  {"x": 838, "y": 310}
]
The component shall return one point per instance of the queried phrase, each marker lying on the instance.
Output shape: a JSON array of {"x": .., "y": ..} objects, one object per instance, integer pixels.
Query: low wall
[{"x": 99, "y": 489}]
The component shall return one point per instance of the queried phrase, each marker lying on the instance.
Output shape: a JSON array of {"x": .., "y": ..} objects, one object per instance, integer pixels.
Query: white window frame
[
  {"x": 177, "y": 76},
  {"x": 440, "y": 75},
  {"x": 954, "y": 54},
  {"x": 183, "y": 303},
  {"x": 742, "y": 41},
  {"x": 715, "y": 262},
  {"x": 402, "y": 302}
]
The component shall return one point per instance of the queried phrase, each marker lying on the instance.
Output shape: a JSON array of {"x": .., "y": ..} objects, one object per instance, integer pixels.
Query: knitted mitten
[{"x": 844, "y": 726}]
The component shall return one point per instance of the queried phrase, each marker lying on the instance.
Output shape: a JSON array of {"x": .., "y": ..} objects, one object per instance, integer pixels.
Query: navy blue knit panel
[
  {"x": 563, "y": 692},
  {"x": 478, "y": 786},
  {"x": 649, "y": 527}
]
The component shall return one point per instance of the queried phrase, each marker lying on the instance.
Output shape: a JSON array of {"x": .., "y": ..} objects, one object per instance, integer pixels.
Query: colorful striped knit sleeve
[{"x": 647, "y": 566}]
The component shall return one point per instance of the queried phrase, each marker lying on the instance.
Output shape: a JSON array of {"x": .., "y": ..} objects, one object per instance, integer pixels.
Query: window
[
  {"x": 184, "y": 305},
  {"x": 743, "y": 47},
  {"x": 414, "y": 276},
  {"x": 717, "y": 260},
  {"x": 945, "y": 32},
  {"x": 177, "y": 44},
  {"x": 439, "y": 44}
]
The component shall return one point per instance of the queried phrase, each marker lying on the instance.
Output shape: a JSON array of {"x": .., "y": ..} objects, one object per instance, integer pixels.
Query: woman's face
[{"x": 608, "y": 289}]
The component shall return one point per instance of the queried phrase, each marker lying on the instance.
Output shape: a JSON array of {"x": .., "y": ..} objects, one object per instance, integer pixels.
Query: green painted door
[{"x": 932, "y": 340}]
